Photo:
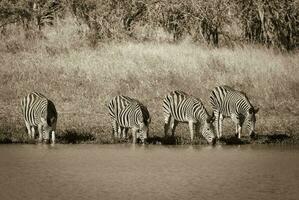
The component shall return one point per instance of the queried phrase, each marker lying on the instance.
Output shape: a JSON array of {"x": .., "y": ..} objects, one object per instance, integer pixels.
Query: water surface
[{"x": 74, "y": 172}]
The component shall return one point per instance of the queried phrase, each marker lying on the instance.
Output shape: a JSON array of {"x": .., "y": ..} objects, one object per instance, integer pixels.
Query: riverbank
[
  {"x": 81, "y": 80},
  {"x": 87, "y": 138}
]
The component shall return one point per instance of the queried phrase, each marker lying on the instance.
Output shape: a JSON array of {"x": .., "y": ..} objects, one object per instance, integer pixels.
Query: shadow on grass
[
  {"x": 233, "y": 140},
  {"x": 10, "y": 135},
  {"x": 271, "y": 138},
  {"x": 5, "y": 139},
  {"x": 102, "y": 136},
  {"x": 275, "y": 138},
  {"x": 75, "y": 137},
  {"x": 175, "y": 140}
]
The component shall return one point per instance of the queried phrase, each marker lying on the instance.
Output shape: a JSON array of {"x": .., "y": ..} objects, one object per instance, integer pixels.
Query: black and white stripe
[
  {"x": 181, "y": 107},
  {"x": 227, "y": 102},
  {"x": 40, "y": 112},
  {"x": 127, "y": 113}
]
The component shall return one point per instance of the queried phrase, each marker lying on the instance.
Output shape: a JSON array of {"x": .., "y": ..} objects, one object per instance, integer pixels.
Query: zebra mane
[
  {"x": 246, "y": 98},
  {"x": 38, "y": 94},
  {"x": 198, "y": 101},
  {"x": 239, "y": 91}
]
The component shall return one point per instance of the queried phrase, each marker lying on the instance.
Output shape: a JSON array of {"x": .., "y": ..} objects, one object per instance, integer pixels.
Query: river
[{"x": 71, "y": 172}]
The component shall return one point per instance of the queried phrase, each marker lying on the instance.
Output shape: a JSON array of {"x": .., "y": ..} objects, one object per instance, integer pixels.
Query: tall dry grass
[{"x": 81, "y": 80}]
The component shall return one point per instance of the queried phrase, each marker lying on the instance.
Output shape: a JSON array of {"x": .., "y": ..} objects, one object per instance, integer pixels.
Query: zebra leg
[
  {"x": 115, "y": 128},
  {"x": 32, "y": 132},
  {"x": 40, "y": 133},
  {"x": 173, "y": 126},
  {"x": 125, "y": 134},
  {"x": 239, "y": 130},
  {"x": 191, "y": 127},
  {"x": 134, "y": 131},
  {"x": 238, "y": 123},
  {"x": 197, "y": 126},
  {"x": 220, "y": 124},
  {"x": 166, "y": 124},
  {"x": 53, "y": 137},
  {"x": 119, "y": 131},
  {"x": 28, "y": 129},
  {"x": 217, "y": 124},
  {"x": 46, "y": 136}
]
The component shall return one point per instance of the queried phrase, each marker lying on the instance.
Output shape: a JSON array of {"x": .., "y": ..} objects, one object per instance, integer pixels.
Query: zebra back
[
  {"x": 128, "y": 112},
  {"x": 184, "y": 107},
  {"x": 36, "y": 106},
  {"x": 117, "y": 104},
  {"x": 229, "y": 101}
]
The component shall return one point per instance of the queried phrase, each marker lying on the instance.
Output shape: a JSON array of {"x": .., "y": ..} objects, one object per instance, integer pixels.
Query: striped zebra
[
  {"x": 127, "y": 113},
  {"x": 181, "y": 107},
  {"x": 227, "y": 102},
  {"x": 40, "y": 112}
]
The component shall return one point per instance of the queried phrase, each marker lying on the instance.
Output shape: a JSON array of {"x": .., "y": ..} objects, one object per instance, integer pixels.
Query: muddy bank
[
  {"x": 74, "y": 137},
  {"x": 276, "y": 138}
]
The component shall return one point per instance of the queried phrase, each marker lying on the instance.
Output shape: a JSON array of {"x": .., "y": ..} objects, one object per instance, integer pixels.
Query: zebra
[
  {"x": 128, "y": 113},
  {"x": 40, "y": 112},
  {"x": 181, "y": 107},
  {"x": 227, "y": 102}
]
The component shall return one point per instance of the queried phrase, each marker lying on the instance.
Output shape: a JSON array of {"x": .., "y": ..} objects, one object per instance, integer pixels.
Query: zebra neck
[
  {"x": 243, "y": 109},
  {"x": 202, "y": 115}
]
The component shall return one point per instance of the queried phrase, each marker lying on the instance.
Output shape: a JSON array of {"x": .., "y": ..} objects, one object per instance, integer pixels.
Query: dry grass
[{"x": 81, "y": 80}]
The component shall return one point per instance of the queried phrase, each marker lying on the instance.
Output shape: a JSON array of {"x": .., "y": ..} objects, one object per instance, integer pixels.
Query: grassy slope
[{"x": 81, "y": 80}]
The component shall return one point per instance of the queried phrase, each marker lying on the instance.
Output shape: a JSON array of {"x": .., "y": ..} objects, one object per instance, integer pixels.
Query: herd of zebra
[{"x": 128, "y": 113}]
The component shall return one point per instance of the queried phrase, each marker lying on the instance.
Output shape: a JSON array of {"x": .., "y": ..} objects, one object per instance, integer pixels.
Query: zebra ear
[{"x": 256, "y": 110}]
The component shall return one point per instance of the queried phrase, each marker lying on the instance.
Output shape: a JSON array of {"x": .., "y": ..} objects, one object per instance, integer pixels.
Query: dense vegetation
[
  {"x": 82, "y": 53},
  {"x": 217, "y": 22}
]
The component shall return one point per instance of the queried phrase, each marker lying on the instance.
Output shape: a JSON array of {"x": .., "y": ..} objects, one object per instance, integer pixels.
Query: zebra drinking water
[
  {"x": 127, "y": 113},
  {"x": 181, "y": 107},
  {"x": 38, "y": 111},
  {"x": 227, "y": 102}
]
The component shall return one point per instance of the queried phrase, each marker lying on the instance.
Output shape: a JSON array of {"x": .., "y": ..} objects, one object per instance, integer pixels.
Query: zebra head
[
  {"x": 250, "y": 119},
  {"x": 49, "y": 127},
  {"x": 208, "y": 130},
  {"x": 142, "y": 134},
  {"x": 143, "y": 120}
]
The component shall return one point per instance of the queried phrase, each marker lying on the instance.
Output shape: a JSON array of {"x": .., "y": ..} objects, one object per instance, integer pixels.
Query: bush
[{"x": 217, "y": 22}]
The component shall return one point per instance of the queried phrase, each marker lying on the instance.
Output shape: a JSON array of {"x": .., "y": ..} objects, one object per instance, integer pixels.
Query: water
[{"x": 148, "y": 172}]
